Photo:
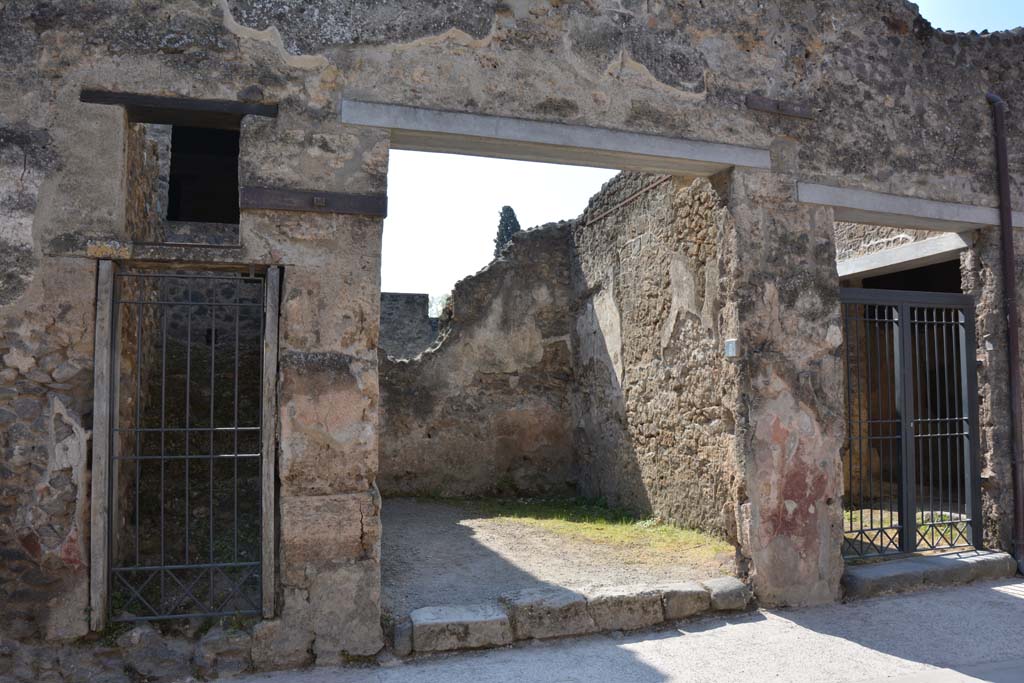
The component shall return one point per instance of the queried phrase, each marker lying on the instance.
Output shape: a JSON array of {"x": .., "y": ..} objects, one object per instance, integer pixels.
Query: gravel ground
[
  {"x": 956, "y": 635},
  {"x": 438, "y": 554}
]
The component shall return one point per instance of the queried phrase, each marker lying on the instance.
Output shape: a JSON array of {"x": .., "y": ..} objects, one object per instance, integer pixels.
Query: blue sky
[
  {"x": 973, "y": 15},
  {"x": 443, "y": 209}
]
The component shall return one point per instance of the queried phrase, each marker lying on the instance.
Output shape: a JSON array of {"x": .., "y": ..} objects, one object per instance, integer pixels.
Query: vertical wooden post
[
  {"x": 269, "y": 433},
  {"x": 101, "y": 446}
]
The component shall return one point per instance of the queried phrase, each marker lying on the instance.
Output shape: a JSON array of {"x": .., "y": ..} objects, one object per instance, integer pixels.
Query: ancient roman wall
[
  {"x": 655, "y": 400},
  {"x": 487, "y": 410},
  {"x": 896, "y": 107},
  {"x": 981, "y": 271},
  {"x": 406, "y": 328},
  {"x": 856, "y": 239}
]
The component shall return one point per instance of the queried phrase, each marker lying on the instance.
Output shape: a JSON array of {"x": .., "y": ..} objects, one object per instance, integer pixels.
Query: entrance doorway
[
  {"x": 186, "y": 513},
  {"x": 910, "y": 463}
]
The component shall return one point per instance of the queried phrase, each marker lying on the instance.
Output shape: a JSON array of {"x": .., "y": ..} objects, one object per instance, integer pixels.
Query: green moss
[{"x": 593, "y": 521}]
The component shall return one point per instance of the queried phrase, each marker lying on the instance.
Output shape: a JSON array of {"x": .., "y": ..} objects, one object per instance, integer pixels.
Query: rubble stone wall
[
  {"x": 896, "y": 107},
  {"x": 981, "y": 271},
  {"x": 487, "y": 409},
  {"x": 655, "y": 400},
  {"x": 406, "y": 328},
  {"x": 856, "y": 239}
]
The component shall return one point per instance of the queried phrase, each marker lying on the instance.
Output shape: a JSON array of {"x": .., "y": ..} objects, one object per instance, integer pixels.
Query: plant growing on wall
[{"x": 508, "y": 225}]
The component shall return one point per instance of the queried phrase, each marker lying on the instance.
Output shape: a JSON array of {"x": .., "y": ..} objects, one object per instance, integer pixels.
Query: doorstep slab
[
  {"x": 682, "y": 600},
  {"x": 625, "y": 609},
  {"x": 728, "y": 593},
  {"x": 897, "y": 576},
  {"x": 548, "y": 613},
  {"x": 459, "y": 627}
]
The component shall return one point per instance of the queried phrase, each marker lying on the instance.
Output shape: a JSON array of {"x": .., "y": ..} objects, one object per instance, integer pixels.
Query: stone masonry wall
[
  {"x": 897, "y": 107},
  {"x": 406, "y": 328},
  {"x": 655, "y": 400},
  {"x": 486, "y": 411},
  {"x": 855, "y": 239},
  {"x": 981, "y": 271}
]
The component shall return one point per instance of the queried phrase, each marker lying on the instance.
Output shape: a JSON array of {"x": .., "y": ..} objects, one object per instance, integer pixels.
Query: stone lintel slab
[
  {"x": 432, "y": 130},
  {"x": 914, "y": 255},
  {"x": 880, "y": 208},
  {"x": 459, "y": 627},
  {"x": 896, "y": 576},
  {"x": 548, "y": 613}
]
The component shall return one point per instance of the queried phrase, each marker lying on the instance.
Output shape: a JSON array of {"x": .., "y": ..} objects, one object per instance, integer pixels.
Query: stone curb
[
  {"x": 899, "y": 576},
  {"x": 559, "y": 612}
]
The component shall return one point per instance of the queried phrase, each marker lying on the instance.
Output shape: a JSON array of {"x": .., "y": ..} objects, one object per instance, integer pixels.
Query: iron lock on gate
[{"x": 910, "y": 461}]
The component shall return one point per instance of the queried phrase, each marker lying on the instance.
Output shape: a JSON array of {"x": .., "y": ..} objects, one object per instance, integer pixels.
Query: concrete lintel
[
  {"x": 912, "y": 255},
  {"x": 432, "y": 130},
  {"x": 879, "y": 208}
]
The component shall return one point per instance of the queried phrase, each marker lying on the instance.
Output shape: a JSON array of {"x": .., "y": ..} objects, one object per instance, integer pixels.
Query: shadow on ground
[{"x": 438, "y": 553}]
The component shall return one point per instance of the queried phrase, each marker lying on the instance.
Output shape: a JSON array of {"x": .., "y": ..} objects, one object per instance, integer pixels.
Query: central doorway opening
[
  {"x": 524, "y": 442},
  {"x": 910, "y": 463}
]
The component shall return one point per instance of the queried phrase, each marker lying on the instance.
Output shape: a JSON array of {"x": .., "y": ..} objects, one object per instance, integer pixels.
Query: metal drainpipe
[{"x": 1009, "y": 262}]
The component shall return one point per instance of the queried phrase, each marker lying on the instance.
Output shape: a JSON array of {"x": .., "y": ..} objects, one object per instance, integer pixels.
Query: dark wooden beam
[
  {"x": 767, "y": 104},
  {"x": 278, "y": 199},
  {"x": 179, "y": 111}
]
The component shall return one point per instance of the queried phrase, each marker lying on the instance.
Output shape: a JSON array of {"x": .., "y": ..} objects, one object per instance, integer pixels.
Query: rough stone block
[
  {"x": 625, "y": 609},
  {"x": 459, "y": 627},
  {"x": 344, "y": 612},
  {"x": 548, "y": 613},
  {"x": 319, "y": 531},
  {"x": 728, "y": 593},
  {"x": 281, "y": 644},
  {"x": 222, "y": 653},
  {"x": 864, "y": 581},
  {"x": 684, "y": 600},
  {"x": 328, "y": 445},
  {"x": 155, "y": 657},
  {"x": 402, "y": 638}
]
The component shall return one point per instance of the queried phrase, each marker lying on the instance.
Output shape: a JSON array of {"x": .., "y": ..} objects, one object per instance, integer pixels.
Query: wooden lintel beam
[
  {"x": 280, "y": 199},
  {"x": 179, "y": 110},
  {"x": 781, "y": 107}
]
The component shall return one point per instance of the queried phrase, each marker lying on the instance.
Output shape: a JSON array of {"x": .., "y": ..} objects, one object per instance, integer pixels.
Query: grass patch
[{"x": 593, "y": 522}]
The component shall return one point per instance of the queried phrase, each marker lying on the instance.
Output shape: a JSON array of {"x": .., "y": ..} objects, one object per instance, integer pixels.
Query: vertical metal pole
[
  {"x": 972, "y": 461},
  {"x": 850, "y": 397},
  {"x": 905, "y": 362},
  {"x": 188, "y": 420},
  {"x": 1009, "y": 268},
  {"x": 212, "y": 284},
  {"x": 163, "y": 441}
]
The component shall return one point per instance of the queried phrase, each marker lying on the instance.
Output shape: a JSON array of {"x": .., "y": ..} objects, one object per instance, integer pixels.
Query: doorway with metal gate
[
  {"x": 910, "y": 461},
  {"x": 186, "y": 469}
]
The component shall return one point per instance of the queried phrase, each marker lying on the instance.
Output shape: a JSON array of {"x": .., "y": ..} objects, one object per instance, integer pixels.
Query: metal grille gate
[
  {"x": 909, "y": 465},
  {"x": 185, "y": 521}
]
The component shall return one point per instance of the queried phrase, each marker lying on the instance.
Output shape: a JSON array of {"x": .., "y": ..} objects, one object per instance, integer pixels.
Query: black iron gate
[
  {"x": 910, "y": 461},
  {"x": 185, "y": 521}
]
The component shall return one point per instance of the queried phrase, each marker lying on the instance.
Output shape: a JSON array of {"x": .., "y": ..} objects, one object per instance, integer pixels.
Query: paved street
[{"x": 962, "y": 634}]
